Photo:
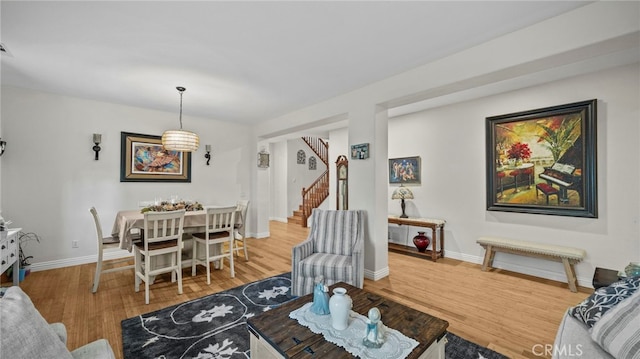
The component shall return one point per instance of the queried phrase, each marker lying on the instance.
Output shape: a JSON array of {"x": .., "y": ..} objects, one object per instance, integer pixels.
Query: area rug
[{"x": 214, "y": 326}]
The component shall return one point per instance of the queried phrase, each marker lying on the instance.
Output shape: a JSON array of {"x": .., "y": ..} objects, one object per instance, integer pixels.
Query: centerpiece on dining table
[{"x": 166, "y": 206}]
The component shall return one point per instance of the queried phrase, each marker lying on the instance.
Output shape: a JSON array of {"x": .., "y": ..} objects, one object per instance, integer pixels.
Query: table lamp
[{"x": 402, "y": 193}]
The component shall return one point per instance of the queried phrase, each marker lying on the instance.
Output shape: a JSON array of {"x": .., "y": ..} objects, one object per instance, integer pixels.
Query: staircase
[{"x": 315, "y": 194}]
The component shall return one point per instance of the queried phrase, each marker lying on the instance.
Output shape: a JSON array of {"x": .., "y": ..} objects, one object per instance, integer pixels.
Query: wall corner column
[{"x": 368, "y": 184}]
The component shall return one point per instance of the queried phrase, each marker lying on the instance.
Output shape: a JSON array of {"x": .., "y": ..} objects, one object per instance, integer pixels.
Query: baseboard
[
  {"x": 68, "y": 262},
  {"x": 376, "y": 275},
  {"x": 536, "y": 272},
  {"x": 279, "y": 219},
  {"x": 261, "y": 235},
  {"x": 369, "y": 274}
]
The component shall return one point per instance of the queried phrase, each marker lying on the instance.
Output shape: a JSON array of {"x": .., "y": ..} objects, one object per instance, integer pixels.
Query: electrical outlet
[{"x": 74, "y": 244}]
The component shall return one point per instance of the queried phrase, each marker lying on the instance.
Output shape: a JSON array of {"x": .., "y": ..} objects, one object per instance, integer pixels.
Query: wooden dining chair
[
  {"x": 105, "y": 243},
  {"x": 162, "y": 236},
  {"x": 219, "y": 230},
  {"x": 240, "y": 234}
]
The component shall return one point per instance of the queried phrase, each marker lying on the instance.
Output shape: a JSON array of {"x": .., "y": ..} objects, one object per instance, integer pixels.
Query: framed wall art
[
  {"x": 263, "y": 159},
  {"x": 543, "y": 161},
  {"x": 404, "y": 170},
  {"x": 360, "y": 152},
  {"x": 143, "y": 159}
]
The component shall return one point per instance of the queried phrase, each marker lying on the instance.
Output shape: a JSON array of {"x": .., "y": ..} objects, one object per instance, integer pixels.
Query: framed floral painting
[
  {"x": 543, "y": 161},
  {"x": 144, "y": 159}
]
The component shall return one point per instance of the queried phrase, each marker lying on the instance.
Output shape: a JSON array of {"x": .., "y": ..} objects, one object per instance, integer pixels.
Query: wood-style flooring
[{"x": 513, "y": 314}]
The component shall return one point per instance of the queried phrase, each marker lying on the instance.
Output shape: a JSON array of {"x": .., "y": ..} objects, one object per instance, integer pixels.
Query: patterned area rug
[
  {"x": 215, "y": 326},
  {"x": 458, "y": 348}
]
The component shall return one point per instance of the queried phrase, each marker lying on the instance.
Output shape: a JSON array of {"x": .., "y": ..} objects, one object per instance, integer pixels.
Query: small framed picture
[{"x": 360, "y": 152}]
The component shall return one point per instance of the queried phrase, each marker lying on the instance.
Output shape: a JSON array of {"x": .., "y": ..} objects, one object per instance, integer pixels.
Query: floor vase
[
  {"x": 340, "y": 307},
  {"x": 421, "y": 242}
]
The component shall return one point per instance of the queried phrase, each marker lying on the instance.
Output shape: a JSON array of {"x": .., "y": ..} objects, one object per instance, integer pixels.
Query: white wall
[
  {"x": 50, "y": 178},
  {"x": 279, "y": 185},
  {"x": 592, "y": 38},
  {"x": 451, "y": 142}
]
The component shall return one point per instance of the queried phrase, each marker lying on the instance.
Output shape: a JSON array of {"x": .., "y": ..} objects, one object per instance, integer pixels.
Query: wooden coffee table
[{"x": 275, "y": 335}]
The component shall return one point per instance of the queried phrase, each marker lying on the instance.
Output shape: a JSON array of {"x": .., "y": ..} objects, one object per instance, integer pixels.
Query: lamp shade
[
  {"x": 180, "y": 140},
  {"x": 402, "y": 193}
]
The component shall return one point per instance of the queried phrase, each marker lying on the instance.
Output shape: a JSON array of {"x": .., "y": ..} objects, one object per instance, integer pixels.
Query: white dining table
[{"x": 126, "y": 220}]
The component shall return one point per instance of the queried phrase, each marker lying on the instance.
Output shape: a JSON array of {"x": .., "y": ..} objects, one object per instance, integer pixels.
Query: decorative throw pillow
[
  {"x": 618, "y": 331},
  {"x": 603, "y": 299}
]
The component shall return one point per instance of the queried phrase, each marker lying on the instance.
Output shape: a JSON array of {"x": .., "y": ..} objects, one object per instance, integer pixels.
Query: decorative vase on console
[
  {"x": 632, "y": 269},
  {"x": 421, "y": 242},
  {"x": 340, "y": 307}
]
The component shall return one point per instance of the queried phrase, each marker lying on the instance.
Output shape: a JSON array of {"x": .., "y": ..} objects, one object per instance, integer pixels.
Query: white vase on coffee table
[{"x": 340, "y": 307}]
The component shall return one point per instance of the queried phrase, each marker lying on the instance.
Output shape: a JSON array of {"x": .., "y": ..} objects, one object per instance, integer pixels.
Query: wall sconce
[
  {"x": 3, "y": 144},
  {"x": 263, "y": 159},
  {"x": 208, "y": 154},
  {"x": 97, "y": 138}
]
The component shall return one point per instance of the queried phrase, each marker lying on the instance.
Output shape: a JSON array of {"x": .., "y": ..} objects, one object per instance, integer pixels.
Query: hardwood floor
[{"x": 511, "y": 313}]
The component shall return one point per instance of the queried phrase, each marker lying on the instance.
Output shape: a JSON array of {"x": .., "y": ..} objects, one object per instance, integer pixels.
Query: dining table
[{"x": 126, "y": 220}]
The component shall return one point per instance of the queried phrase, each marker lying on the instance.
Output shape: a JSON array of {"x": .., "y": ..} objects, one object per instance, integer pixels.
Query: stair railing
[
  {"x": 313, "y": 196},
  {"x": 319, "y": 147}
]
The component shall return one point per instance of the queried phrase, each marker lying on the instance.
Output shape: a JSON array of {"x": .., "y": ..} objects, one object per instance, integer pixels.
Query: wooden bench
[{"x": 568, "y": 256}]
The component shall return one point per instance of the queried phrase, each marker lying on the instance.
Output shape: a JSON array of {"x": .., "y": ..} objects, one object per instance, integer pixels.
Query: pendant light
[{"x": 180, "y": 140}]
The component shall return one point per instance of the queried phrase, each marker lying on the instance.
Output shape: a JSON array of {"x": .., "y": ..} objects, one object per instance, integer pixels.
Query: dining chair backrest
[
  {"x": 112, "y": 265},
  {"x": 163, "y": 226},
  {"x": 96, "y": 219},
  {"x": 220, "y": 219}
]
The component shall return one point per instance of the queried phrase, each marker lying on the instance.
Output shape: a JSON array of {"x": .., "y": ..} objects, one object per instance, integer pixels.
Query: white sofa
[
  {"x": 606, "y": 325},
  {"x": 24, "y": 333}
]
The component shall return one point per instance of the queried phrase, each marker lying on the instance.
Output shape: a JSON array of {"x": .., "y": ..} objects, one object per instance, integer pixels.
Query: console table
[{"x": 437, "y": 230}]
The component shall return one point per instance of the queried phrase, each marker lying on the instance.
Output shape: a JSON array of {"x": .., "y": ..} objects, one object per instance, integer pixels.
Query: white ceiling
[{"x": 240, "y": 61}]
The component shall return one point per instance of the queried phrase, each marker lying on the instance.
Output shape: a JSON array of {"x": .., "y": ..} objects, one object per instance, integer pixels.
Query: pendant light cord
[{"x": 181, "y": 90}]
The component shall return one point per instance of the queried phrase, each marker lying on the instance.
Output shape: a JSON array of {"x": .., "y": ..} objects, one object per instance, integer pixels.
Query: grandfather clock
[{"x": 342, "y": 182}]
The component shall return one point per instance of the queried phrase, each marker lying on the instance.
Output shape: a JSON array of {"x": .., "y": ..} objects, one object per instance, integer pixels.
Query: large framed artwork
[
  {"x": 404, "y": 170},
  {"x": 543, "y": 161},
  {"x": 143, "y": 159}
]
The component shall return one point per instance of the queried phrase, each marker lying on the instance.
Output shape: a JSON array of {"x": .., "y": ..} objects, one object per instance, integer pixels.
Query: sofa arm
[
  {"x": 301, "y": 251},
  {"x": 60, "y": 330},
  {"x": 572, "y": 339},
  {"x": 357, "y": 254},
  {"x": 357, "y": 261},
  {"x": 99, "y": 349}
]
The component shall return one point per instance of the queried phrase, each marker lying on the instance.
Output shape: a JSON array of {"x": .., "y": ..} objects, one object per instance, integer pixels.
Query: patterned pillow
[{"x": 603, "y": 299}]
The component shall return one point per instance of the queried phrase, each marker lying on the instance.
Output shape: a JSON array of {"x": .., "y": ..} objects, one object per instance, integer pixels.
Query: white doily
[{"x": 396, "y": 345}]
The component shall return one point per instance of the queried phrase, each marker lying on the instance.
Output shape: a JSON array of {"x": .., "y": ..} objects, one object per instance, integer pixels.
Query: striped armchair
[{"x": 334, "y": 249}]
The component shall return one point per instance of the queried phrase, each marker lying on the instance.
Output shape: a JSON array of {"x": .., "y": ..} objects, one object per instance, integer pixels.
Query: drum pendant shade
[{"x": 180, "y": 140}]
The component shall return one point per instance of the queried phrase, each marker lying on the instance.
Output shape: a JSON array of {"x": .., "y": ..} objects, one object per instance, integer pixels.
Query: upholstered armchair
[{"x": 334, "y": 249}]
